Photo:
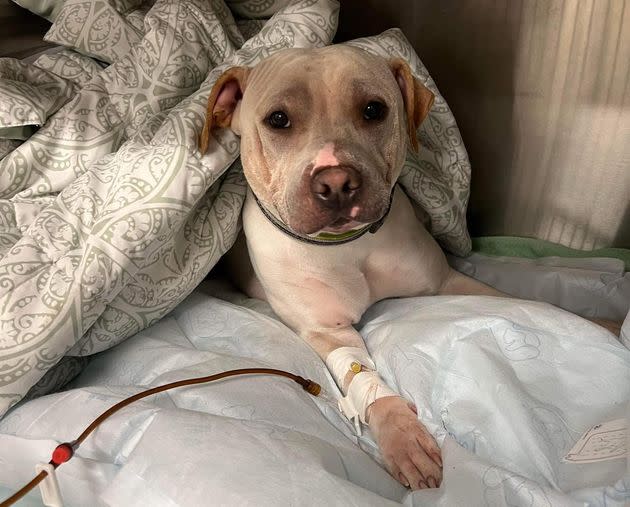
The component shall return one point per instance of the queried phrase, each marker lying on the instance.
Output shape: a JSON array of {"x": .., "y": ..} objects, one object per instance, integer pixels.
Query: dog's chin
[
  {"x": 343, "y": 225},
  {"x": 310, "y": 222},
  {"x": 337, "y": 226}
]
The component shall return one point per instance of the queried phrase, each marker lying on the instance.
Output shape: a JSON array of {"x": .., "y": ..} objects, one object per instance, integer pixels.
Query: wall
[
  {"x": 20, "y": 31},
  {"x": 541, "y": 92}
]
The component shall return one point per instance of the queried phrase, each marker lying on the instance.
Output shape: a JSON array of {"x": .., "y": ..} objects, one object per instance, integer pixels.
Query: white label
[{"x": 600, "y": 443}]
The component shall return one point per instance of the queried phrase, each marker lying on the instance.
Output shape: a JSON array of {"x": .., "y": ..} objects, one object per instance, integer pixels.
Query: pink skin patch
[
  {"x": 325, "y": 157},
  {"x": 354, "y": 211}
]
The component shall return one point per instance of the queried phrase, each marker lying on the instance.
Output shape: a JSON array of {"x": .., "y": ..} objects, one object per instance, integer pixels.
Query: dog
[{"x": 327, "y": 232}]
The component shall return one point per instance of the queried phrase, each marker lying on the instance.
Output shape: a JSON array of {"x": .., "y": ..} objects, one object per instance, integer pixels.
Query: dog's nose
[{"x": 336, "y": 187}]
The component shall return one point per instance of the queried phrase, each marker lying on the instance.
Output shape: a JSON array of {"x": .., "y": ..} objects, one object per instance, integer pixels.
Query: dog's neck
[{"x": 325, "y": 238}]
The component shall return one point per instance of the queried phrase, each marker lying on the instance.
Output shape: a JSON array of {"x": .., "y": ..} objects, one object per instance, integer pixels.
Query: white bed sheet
[{"x": 507, "y": 387}]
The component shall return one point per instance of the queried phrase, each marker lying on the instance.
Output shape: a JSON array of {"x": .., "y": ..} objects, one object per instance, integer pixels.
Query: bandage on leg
[
  {"x": 365, "y": 387},
  {"x": 346, "y": 359}
]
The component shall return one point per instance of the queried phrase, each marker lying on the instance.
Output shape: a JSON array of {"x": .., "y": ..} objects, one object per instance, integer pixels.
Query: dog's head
[{"x": 324, "y": 132}]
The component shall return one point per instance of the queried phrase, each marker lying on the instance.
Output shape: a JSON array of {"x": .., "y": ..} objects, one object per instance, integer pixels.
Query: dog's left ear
[
  {"x": 418, "y": 98},
  {"x": 223, "y": 102}
]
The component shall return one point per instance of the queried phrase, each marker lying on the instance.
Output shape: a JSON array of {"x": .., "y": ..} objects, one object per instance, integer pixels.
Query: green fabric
[{"x": 533, "y": 248}]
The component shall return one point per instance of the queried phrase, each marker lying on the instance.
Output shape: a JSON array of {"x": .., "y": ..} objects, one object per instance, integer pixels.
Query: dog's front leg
[{"x": 409, "y": 450}]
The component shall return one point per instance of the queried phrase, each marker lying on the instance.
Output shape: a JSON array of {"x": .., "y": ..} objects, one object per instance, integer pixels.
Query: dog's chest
[
  {"x": 330, "y": 286},
  {"x": 309, "y": 286}
]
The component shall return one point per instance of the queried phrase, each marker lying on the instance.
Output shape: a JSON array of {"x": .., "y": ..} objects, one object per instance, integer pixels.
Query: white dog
[{"x": 324, "y": 134}]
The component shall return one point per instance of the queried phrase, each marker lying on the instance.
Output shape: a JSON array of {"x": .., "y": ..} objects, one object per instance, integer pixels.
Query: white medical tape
[
  {"x": 49, "y": 487},
  {"x": 340, "y": 360},
  {"x": 364, "y": 389}
]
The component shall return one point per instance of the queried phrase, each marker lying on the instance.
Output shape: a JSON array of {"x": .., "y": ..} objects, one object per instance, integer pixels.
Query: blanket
[
  {"x": 507, "y": 387},
  {"x": 109, "y": 215}
]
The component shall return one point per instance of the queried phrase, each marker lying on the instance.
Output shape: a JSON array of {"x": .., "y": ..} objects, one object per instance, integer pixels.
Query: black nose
[{"x": 336, "y": 187}]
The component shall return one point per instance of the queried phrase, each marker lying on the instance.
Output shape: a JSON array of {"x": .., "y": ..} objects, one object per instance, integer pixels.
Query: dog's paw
[{"x": 411, "y": 454}]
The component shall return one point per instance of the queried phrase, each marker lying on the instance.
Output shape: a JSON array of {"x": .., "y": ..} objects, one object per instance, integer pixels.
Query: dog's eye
[
  {"x": 374, "y": 111},
  {"x": 278, "y": 120}
]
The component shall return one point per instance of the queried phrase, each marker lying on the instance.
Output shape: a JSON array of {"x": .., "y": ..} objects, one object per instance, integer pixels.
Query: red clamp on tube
[{"x": 61, "y": 454}]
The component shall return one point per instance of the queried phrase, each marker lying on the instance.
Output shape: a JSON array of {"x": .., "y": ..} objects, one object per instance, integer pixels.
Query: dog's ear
[
  {"x": 417, "y": 98},
  {"x": 224, "y": 98}
]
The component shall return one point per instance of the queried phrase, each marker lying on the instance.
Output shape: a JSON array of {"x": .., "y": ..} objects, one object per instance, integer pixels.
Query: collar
[{"x": 326, "y": 238}]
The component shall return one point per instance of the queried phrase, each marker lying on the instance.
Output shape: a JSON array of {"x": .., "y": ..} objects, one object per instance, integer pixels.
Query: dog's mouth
[
  {"x": 308, "y": 217},
  {"x": 342, "y": 225},
  {"x": 335, "y": 224}
]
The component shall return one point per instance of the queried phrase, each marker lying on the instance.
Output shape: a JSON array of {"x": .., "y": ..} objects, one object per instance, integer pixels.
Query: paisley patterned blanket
[{"x": 109, "y": 215}]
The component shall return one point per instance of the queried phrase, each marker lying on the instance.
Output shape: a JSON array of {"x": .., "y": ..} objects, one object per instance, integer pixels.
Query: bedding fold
[{"x": 31, "y": 95}]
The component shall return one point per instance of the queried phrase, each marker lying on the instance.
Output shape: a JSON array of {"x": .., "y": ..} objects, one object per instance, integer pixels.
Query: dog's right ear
[{"x": 223, "y": 101}]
